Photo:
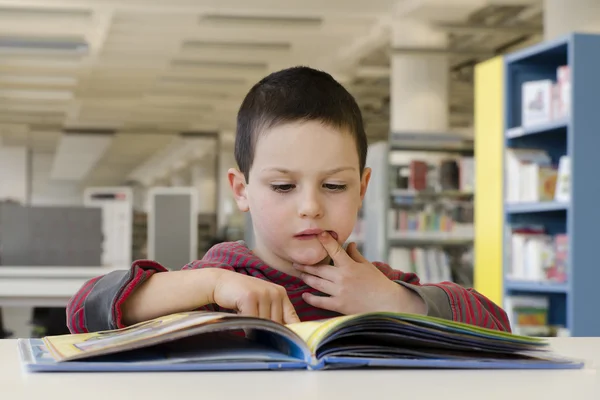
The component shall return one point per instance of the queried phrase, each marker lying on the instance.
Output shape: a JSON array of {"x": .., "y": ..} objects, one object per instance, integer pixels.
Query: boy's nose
[{"x": 310, "y": 207}]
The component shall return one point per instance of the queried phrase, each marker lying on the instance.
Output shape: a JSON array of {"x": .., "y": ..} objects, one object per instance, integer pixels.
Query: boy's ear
[
  {"x": 237, "y": 181},
  {"x": 364, "y": 183}
]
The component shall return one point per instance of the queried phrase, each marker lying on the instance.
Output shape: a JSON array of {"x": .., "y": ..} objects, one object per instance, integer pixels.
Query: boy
[{"x": 301, "y": 150}]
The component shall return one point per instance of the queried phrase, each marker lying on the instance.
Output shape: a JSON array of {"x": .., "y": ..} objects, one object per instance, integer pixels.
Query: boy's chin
[{"x": 310, "y": 256}]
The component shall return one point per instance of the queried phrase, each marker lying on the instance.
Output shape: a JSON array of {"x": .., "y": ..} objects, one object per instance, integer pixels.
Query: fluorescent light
[
  {"x": 39, "y": 80},
  {"x": 242, "y": 45},
  {"x": 219, "y": 64},
  {"x": 27, "y": 12},
  {"x": 37, "y": 94},
  {"x": 47, "y": 45},
  {"x": 77, "y": 154},
  {"x": 212, "y": 81},
  {"x": 268, "y": 21}
]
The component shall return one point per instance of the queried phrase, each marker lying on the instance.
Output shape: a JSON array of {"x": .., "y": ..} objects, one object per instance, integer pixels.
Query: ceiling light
[
  {"x": 44, "y": 45},
  {"x": 269, "y": 21},
  {"x": 30, "y": 12},
  {"x": 215, "y": 81},
  {"x": 219, "y": 64},
  {"x": 223, "y": 45},
  {"x": 39, "y": 80},
  {"x": 36, "y": 94}
]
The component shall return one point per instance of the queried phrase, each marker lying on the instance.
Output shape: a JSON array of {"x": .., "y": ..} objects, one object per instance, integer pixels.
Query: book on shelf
[
  {"x": 532, "y": 177},
  {"x": 223, "y": 341},
  {"x": 536, "y": 256},
  {"x": 546, "y": 100},
  {"x": 432, "y": 265},
  {"x": 445, "y": 175},
  {"x": 529, "y": 316}
]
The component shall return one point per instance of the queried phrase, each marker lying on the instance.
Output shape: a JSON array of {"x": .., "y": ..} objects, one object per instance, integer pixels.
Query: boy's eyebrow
[{"x": 328, "y": 172}]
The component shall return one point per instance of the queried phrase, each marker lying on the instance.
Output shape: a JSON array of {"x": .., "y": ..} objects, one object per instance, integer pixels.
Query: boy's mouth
[{"x": 312, "y": 234}]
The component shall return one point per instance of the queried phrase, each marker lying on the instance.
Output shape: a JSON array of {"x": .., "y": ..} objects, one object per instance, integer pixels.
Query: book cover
[{"x": 201, "y": 341}]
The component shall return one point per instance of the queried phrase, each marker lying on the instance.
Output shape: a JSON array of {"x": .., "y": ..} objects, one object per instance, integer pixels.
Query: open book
[{"x": 220, "y": 341}]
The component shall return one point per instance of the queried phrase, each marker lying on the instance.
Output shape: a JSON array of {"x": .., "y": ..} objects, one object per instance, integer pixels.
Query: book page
[
  {"x": 87, "y": 344},
  {"x": 313, "y": 332}
]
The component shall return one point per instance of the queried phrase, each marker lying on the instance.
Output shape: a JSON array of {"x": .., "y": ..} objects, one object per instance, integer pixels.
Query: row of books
[
  {"x": 546, "y": 100},
  {"x": 427, "y": 220},
  {"x": 445, "y": 175},
  {"x": 430, "y": 264},
  {"x": 529, "y": 315},
  {"x": 537, "y": 256},
  {"x": 532, "y": 177}
]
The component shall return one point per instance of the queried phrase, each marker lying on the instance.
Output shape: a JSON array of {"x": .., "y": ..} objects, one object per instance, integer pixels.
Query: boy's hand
[
  {"x": 254, "y": 297},
  {"x": 354, "y": 284}
]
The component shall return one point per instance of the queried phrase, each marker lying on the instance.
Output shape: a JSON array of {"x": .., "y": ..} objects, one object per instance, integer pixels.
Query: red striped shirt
[{"x": 467, "y": 305}]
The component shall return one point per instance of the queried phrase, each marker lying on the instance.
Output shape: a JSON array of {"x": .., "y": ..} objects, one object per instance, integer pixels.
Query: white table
[
  {"x": 15, "y": 384},
  {"x": 49, "y": 286}
]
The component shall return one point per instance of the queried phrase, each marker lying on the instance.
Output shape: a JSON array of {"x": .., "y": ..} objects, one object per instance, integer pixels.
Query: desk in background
[{"x": 49, "y": 286}]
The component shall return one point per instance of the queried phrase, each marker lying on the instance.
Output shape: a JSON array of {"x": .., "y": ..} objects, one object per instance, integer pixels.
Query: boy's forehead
[{"x": 307, "y": 141}]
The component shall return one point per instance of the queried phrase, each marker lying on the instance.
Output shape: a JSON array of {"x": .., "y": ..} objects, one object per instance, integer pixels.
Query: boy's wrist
[
  {"x": 409, "y": 301},
  {"x": 207, "y": 280}
]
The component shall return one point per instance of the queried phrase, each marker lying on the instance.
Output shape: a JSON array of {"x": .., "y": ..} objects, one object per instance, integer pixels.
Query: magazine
[{"x": 199, "y": 340}]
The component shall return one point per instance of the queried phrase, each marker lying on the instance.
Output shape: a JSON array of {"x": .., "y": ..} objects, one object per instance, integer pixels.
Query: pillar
[
  {"x": 419, "y": 82},
  {"x": 562, "y": 17},
  {"x": 202, "y": 178}
]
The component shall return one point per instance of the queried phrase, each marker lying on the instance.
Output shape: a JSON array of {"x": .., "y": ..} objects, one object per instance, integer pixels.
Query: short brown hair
[{"x": 296, "y": 94}]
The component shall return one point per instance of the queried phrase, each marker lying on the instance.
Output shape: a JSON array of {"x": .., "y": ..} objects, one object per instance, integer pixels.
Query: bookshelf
[
  {"x": 408, "y": 226},
  {"x": 571, "y": 297}
]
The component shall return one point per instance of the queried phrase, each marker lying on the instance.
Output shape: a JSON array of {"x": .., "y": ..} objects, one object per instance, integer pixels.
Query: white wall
[{"x": 13, "y": 174}]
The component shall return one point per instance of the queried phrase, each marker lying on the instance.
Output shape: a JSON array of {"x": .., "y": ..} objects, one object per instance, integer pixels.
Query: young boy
[{"x": 301, "y": 151}]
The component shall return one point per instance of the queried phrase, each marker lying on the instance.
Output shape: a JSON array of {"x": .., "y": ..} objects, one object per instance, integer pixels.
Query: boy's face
[{"x": 305, "y": 178}]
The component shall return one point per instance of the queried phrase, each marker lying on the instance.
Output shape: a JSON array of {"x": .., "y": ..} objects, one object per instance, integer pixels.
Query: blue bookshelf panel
[
  {"x": 554, "y": 222},
  {"x": 553, "y": 142},
  {"x": 572, "y": 305},
  {"x": 550, "y": 52},
  {"x": 539, "y": 207},
  {"x": 552, "y": 127},
  {"x": 535, "y": 287},
  {"x": 532, "y": 64},
  {"x": 557, "y": 314}
]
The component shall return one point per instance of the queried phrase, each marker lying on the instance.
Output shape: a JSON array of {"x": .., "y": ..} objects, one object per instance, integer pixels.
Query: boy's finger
[
  {"x": 264, "y": 309},
  {"x": 249, "y": 308},
  {"x": 326, "y": 303},
  {"x": 277, "y": 311},
  {"x": 323, "y": 271},
  {"x": 334, "y": 249},
  {"x": 289, "y": 312},
  {"x": 322, "y": 285}
]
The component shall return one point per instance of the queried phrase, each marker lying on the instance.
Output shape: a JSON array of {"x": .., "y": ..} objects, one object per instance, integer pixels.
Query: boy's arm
[
  {"x": 451, "y": 301},
  {"x": 99, "y": 303}
]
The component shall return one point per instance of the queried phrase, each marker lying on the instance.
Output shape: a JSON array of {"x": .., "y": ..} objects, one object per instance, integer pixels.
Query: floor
[{"x": 17, "y": 321}]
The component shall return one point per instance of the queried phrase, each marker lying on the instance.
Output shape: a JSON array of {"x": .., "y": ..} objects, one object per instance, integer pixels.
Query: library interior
[{"x": 118, "y": 123}]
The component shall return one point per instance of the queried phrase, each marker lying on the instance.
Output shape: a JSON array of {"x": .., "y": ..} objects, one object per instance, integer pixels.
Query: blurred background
[{"x": 117, "y": 123}]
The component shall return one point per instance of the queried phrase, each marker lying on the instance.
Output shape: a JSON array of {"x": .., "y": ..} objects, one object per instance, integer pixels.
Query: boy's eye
[
  {"x": 282, "y": 188},
  {"x": 334, "y": 187}
]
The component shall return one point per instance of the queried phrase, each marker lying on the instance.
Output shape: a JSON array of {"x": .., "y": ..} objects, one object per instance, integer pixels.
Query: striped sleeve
[
  {"x": 451, "y": 301},
  {"x": 97, "y": 304},
  {"x": 472, "y": 307}
]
